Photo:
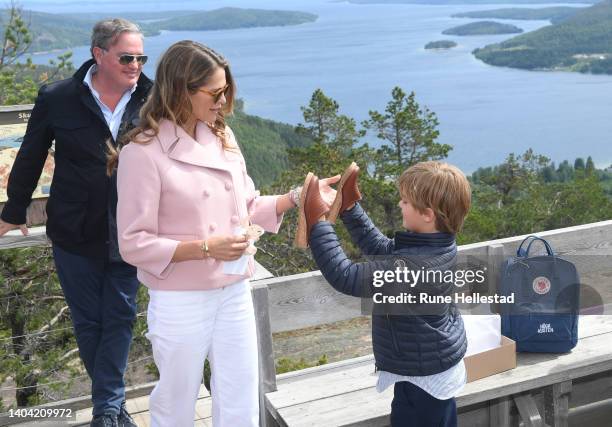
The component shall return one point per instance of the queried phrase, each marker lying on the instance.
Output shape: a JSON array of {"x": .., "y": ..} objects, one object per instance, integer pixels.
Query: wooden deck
[{"x": 344, "y": 393}]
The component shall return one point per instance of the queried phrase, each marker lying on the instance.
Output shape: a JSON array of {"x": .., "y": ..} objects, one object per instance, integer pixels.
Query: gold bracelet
[{"x": 205, "y": 250}]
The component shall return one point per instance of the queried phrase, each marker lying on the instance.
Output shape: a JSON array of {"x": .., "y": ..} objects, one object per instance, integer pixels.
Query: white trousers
[{"x": 184, "y": 328}]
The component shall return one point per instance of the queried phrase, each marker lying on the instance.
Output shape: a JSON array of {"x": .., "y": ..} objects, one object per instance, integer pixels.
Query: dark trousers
[
  {"x": 414, "y": 407},
  {"x": 101, "y": 296}
]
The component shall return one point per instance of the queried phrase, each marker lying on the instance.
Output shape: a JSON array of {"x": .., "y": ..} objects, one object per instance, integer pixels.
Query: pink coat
[{"x": 177, "y": 189}]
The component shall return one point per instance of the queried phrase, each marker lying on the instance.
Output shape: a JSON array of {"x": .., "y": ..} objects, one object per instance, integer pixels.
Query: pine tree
[
  {"x": 579, "y": 163},
  {"x": 409, "y": 132},
  {"x": 589, "y": 169},
  {"x": 20, "y": 81}
]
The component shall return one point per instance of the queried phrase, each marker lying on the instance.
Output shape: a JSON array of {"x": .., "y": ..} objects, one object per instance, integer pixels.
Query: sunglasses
[
  {"x": 216, "y": 94},
  {"x": 126, "y": 59}
]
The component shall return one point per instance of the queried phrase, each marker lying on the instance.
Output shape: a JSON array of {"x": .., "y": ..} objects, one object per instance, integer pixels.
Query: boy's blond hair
[{"x": 441, "y": 187}]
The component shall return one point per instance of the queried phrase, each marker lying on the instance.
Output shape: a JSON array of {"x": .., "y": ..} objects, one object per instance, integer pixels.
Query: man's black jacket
[{"x": 77, "y": 209}]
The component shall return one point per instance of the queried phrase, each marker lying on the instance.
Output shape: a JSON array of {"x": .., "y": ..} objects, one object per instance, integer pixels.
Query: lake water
[{"x": 358, "y": 53}]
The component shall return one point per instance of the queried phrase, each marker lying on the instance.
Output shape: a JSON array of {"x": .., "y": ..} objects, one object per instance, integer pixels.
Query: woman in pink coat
[{"x": 183, "y": 193}]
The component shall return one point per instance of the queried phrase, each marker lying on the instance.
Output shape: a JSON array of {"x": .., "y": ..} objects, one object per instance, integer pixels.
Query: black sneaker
[
  {"x": 105, "y": 420},
  {"x": 124, "y": 418}
]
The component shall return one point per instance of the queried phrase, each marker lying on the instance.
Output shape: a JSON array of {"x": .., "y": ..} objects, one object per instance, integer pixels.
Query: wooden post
[
  {"x": 499, "y": 412},
  {"x": 267, "y": 369},
  {"x": 495, "y": 255},
  {"x": 528, "y": 410},
  {"x": 556, "y": 404}
]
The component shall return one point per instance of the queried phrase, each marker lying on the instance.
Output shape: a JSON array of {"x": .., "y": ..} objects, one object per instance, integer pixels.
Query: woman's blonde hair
[
  {"x": 441, "y": 187},
  {"x": 184, "y": 68}
]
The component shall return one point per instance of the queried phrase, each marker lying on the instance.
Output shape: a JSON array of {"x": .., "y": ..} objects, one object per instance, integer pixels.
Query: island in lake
[
  {"x": 441, "y": 44},
  {"x": 552, "y": 14},
  {"x": 482, "y": 28}
]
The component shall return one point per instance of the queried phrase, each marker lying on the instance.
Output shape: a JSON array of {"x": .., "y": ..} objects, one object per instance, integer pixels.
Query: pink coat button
[
  {"x": 206, "y": 193},
  {"x": 235, "y": 219},
  {"x": 212, "y": 226},
  {"x": 228, "y": 186}
]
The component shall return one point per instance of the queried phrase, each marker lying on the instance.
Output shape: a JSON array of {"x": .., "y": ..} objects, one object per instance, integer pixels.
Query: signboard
[{"x": 13, "y": 123}]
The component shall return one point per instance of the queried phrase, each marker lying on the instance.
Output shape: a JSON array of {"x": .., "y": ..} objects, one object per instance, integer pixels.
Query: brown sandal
[
  {"x": 312, "y": 208},
  {"x": 347, "y": 193}
]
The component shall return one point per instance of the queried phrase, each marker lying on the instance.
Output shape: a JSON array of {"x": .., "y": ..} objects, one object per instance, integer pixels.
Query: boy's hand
[{"x": 328, "y": 194}]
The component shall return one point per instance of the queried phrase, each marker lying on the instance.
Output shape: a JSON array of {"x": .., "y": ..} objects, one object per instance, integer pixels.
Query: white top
[
  {"x": 442, "y": 386},
  {"x": 113, "y": 118}
]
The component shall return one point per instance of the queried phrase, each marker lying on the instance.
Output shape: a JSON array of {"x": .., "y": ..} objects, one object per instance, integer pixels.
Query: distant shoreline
[{"x": 58, "y": 32}]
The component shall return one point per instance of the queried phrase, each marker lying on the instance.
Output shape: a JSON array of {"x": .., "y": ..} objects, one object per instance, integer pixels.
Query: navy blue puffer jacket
[{"x": 420, "y": 339}]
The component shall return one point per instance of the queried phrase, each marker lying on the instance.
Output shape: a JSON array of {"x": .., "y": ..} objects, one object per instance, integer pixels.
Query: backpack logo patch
[
  {"x": 541, "y": 285},
  {"x": 545, "y": 328}
]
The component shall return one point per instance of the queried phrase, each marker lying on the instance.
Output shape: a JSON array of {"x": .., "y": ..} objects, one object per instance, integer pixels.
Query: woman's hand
[
  {"x": 328, "y": 194},
  {"x": 227, "y": 248}
]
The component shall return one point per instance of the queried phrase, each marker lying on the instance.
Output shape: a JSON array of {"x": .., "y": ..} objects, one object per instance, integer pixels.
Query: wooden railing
[{"x": 304, "y": 300}]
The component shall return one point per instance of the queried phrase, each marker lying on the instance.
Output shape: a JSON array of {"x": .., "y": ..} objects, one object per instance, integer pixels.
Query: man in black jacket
[{"x": 95, "y": 106}]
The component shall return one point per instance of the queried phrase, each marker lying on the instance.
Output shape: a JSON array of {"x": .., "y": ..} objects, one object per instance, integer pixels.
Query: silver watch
[{"x": 294, "y": 196}]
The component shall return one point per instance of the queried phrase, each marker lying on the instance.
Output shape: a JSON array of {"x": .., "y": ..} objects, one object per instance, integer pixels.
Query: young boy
[{"x": 417, "y": 347}]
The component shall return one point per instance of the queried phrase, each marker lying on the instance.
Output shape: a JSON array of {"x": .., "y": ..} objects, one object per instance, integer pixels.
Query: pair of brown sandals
[{"x": 312, "y": 206}]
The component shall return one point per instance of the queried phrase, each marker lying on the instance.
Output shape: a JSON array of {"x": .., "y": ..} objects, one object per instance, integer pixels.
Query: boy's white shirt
[{"x": 442, "y": 386}]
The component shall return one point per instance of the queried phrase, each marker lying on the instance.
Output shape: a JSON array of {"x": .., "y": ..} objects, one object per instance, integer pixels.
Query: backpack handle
[
  {"x": 546, "y": 244},
  {"x": 520, "y": 252}
]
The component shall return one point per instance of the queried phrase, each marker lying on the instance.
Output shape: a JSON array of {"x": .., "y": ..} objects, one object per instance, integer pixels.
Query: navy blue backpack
[{"x": 544, "y": 316}]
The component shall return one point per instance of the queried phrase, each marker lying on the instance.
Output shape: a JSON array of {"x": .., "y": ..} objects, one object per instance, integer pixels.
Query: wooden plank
[
  {"x": 586, "y": 388},
  {"x": 330, "y": 393},
  {"x": 142, "y": 420},
  {"x": 593, "y": 235},
  {"x": 38, "y": 237},
  {"x": 334, "y": 383},
  {"x": 265, "y": 350},
  {"x": 530, "y": 415},
  {"x": 136, "y": 406},
  {"x": 204, "y": 409},
  {"x": 11, "y": 108},
  {"x": 339, "y": 366},
  {"x": 343, "y": 409},
  {"x": 556, "y": 405},
  {"x": 260, "y": 273},
  {"x": 499, "y": 412},
  {"x": 474, "y": 416},
  {"x": 592, "y": 355},
  {"x": 592, "y": 325},
  {"x": 304, "y": 300},
  {"x": 593, "y": 414},
  {"x": 14, "y": 239},
  {"x": 264, "y": 336},
  {"x": 345, "y": 376}
]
